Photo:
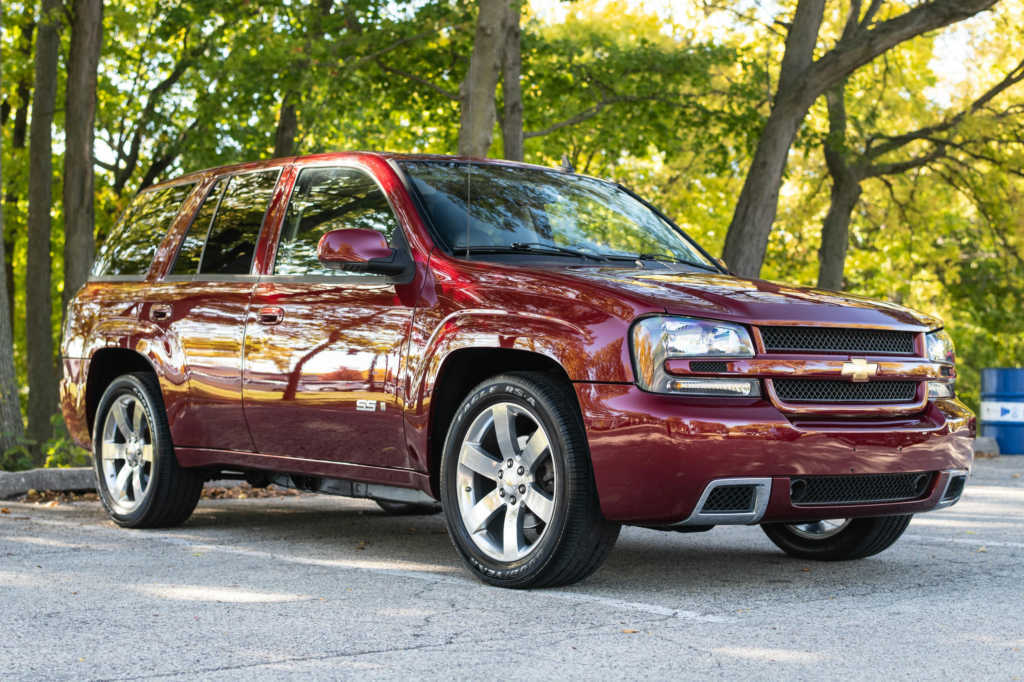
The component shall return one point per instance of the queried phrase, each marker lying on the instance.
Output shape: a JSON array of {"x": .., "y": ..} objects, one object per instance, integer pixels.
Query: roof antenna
[{"x": 567, "y": 164}]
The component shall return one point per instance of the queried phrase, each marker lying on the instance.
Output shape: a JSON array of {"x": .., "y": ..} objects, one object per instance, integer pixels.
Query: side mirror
[{"x": 357, "y": 250}]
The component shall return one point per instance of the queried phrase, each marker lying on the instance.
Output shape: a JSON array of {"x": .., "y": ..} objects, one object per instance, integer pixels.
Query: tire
[
  {"x": 854, "y": 539},
  {"x": 138, "y": 477},
  {"x": 544, "y": 453},
  {"x": 407, "y": 508}
]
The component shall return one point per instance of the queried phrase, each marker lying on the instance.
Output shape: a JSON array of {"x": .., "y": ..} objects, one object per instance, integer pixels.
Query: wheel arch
[
  {"x": 463, "y": 369},
  {"x": 105, "y": 365}
]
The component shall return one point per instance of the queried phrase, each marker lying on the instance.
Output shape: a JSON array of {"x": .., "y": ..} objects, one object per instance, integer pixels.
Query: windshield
[{"x": 532, "y": 209}]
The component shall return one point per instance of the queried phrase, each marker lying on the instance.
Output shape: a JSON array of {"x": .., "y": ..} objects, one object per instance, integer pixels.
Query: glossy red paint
[
  {"x": 273, "y": 373},
  {"x": 339, "y": 247}
]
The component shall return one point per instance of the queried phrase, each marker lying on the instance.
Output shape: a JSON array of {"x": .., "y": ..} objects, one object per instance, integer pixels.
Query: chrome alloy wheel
[
  {"x": 126, "y": 452},
  {"x": 506, "y": 481},
  {"x": 819, "y": 530}
]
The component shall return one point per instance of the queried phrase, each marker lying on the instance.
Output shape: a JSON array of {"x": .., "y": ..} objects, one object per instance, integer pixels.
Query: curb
[{"x": 20, "y": 482}]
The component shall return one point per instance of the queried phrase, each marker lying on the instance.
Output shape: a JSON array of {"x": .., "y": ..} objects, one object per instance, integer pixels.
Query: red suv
[{"x": 545, "y": 354}]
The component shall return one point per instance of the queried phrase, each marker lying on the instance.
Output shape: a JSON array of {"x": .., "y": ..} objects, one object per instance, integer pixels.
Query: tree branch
[
  {"x": 893, "y": 143},
  {"x": 867, "y": 44}
]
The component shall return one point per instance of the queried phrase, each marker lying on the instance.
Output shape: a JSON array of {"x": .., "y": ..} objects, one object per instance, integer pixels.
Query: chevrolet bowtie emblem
[{"x": 859, "y": 369}]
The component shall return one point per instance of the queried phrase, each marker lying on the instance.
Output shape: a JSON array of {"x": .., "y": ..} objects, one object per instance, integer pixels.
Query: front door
[{"x": 323, "y": 347}]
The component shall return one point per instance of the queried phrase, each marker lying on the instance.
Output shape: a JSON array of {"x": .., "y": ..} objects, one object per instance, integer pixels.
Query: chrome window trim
[
  {"x": 118, "y": 278},
  {"x": 762, "y": 492},
  {"x": 363, "y": 280}
]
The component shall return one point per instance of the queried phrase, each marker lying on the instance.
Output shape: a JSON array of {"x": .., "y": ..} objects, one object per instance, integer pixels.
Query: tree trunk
[
  {"x": 287, "y": 128},
  {"x": 835, "y": 232},
  {"x": 12, "y": 430},
  {"x": 42, "y": 377},
  {"x": 512, "y": 91},
  {"x": 846, "y": 179},
  {"x": 747, "y": 239},
  {"x": 79, "y": 118},
  {"x": 476, "y": 95}
]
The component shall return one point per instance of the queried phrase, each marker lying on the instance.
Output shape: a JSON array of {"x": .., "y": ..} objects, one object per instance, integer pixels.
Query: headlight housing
[
  {"x": 657, "y": 339},
  {"x": 939, "y": 347}
]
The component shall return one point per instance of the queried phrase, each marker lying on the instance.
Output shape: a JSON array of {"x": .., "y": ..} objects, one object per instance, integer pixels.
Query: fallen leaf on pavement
[
  {"x": 627, "y": 631},
  {"x": 5, "y": 510},
  {"x": 983, "y": 549}
]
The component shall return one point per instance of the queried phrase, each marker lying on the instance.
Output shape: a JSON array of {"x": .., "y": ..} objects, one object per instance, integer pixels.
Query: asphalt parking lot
[{"x": 327, "y": 587}]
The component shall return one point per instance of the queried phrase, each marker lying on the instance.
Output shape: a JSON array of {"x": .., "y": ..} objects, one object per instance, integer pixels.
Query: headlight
[
  {"x": 940, "y": 347},
  {"x": 657, "y": 339}
]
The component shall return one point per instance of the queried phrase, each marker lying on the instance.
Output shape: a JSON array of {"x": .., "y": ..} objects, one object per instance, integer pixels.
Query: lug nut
[
  {"x": 469, "y": 489},
  {"x": 522, "y": 490},
  {"x": 520, "y": 471},
  {"x": 513, "y": 499},
  {"x": 508, "y": 463},
  {"x": 501, "y": 493},
  {"x": 499, "y": 474}
]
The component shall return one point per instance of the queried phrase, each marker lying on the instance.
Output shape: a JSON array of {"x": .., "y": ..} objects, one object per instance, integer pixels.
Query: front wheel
[
  {"x": 517, "y": 488},
  {"x": 837, "y": 539},
  {"x": 138, "y": 477}
]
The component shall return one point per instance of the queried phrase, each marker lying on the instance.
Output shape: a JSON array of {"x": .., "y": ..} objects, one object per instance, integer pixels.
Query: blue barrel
[{"x": 1002, "y": 407}]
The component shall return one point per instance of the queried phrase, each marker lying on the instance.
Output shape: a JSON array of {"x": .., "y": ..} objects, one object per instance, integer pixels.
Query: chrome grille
[
  {"x": 832, "y": 391},
  {"x": 809, "y": 490},
  {"x": 836, "y": 340}
]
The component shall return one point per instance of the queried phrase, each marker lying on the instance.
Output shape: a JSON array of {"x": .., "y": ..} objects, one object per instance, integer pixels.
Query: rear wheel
[
  {"x": 138, "y": 477},
  {"x": 837, "y": 539},
  {"x": 517, "y": 488}
]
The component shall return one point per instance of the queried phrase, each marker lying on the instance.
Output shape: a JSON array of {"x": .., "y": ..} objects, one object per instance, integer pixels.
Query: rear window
[
  {"x": 236, "y": 227},
  {"x": 130, "y": 247}
]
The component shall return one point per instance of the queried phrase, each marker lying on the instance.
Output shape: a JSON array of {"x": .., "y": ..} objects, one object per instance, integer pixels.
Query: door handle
[
  {"x": 270, "y": 315},
  {"x": 160, "y": 311}
]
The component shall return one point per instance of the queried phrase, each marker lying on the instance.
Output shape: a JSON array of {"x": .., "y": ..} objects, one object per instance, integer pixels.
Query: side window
[
  {"x": 326, "y": 199},
  {"x": 191, "y": 250},
  {"x": 236, "y": 227},
  {"x": 130, "y": 247}
]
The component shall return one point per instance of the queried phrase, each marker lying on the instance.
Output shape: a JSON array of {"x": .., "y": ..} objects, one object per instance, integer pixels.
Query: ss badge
[{"x": 366, "y": 405}]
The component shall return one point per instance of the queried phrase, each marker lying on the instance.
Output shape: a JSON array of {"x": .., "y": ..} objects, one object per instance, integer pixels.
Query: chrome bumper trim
[
  {"x": 762, "y": 491},
  {"x": 951, "y": 475}
]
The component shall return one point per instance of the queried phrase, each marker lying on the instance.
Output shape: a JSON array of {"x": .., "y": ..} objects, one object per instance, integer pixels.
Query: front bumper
[{"x": 654, "y": 456}]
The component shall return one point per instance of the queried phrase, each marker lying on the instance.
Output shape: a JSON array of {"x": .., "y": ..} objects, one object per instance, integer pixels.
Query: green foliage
[
  {"x": 670, "y": 107},
  {"x": 60, "y": 450}
]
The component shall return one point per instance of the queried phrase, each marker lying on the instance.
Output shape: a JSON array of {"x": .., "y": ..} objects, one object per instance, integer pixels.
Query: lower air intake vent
[
  {"x": 831, "y": 391},
  {"x": 730, "y": 498},
  {"x": 809, "y": 490},
  {"x": 955, "y": 488}
]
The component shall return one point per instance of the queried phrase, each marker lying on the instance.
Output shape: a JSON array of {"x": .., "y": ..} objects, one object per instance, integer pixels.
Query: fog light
[
  {"x": 940, "y": 389},
  {"x": 746, "y": 388}
]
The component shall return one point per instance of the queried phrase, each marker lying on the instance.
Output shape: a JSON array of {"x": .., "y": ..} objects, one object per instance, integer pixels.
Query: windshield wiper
[
  {"x": 659, "y": 258},
  {"x": 534, "y": 247}
]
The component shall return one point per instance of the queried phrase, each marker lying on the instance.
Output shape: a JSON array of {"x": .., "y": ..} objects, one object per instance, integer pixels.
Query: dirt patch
[{"x": 52, "y": 498}]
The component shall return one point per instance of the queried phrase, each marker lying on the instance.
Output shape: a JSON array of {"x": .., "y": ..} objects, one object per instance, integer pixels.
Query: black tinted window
[
  {"x": 236, "y": 227},
  {"x": 191, "y": 250},
  {"x": 326, "y": 199},
  {"x": 130, "y": 247}
]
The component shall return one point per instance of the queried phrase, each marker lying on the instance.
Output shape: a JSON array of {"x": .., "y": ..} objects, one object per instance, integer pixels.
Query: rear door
[
  {"x": 323, "y": 347},
  {"x": 202, "y": 304}
]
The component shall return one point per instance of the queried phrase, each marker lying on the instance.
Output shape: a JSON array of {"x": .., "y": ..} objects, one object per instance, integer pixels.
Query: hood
[{"x": 753, "y": 301}]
